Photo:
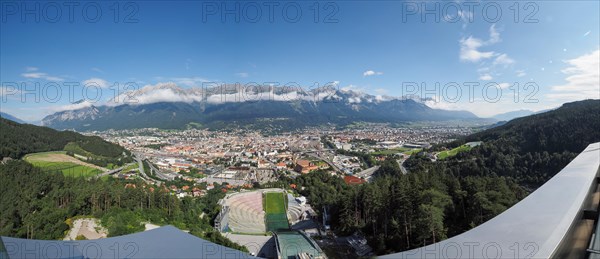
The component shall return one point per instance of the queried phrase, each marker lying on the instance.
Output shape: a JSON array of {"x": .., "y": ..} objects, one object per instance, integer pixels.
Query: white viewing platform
[{"x": 546, "y": 224}]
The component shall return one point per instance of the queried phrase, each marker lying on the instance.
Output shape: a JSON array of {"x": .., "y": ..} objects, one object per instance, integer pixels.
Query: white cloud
[
  {"x": 354, "y": 100},
  {"x": 242, "y": 74},
  {"x": 97, "y": 70},
  {"x": 381, "y": 91},
  {"x": 521, "y": 73},
  {"x": 353, "y": 88},
  {"x": 466, "y": 16},
  {"x": 35, "y": 75},
  {"x": 469, "y": 50},
  {"x": 583, "y": 80},
  {"x": 494, "y": 35},
  {"x": 32, "y": 73},
  {"x": 503, "y": 85},
  {"x": 372, "y": 73},
  {"x": 190, "y": 81},
  {"x": 54, "y": 78},
  {"x": 165, "y": 95},
  {"x": 94, "y": 81},
  {"x": 587, "y": 33},
  {"x": 486, "y": 77},
  {"x": 503, "y": 59},
  {"x": 170, "y": 92},
  {"x": 72, "y": 106}
]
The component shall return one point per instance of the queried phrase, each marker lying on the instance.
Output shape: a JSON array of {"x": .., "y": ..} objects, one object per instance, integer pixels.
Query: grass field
[
  {"x": 453, "y": 152},
  {"x": 60, "y": 162},
  {"x": 391, "y": 151},
  {"x": 413, "y": 151},
  {"x": 274, "y": 203},
  {"x": 275, "y": 211}
]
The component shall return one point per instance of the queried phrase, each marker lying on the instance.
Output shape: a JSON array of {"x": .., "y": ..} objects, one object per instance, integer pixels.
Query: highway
[
  {"x": 309, "y": 153},
  {"x": 401, "y": 165},
  {"x": 111, "y": 172},
  {"x": 157, "y": 172},
  {"x": 367, "y": 174},
  {"x": 142, "y": 173}
]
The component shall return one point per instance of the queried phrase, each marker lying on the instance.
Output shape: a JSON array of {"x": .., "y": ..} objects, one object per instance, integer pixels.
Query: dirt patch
[
  {"x": 150, "y": 226},
  {"x": 89, "y": 228}
]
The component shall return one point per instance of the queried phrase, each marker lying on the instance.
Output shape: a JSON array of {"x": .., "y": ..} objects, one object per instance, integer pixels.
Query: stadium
[{"x": 270, "y": 213}]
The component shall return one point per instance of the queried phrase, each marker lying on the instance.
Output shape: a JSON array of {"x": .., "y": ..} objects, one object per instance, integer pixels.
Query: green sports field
[{"x": 275, "y": 211}]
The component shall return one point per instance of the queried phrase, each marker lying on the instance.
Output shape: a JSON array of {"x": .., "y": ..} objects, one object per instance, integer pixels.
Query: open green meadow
[
  {"x": 413, "y": 151},
  {"x": 391, "y": 151},
  {"x": 59, "y": 162},
  {"x": 453, "y": 152},
  {"x": 275, "y": 211},
  {"x": 67, "y": 169}
]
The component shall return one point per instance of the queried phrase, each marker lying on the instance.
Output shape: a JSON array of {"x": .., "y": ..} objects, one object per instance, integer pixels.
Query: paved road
[
  {"x": 401, "y": 164},
  {"x": 324, "y": 159},
  {"x": 367, "y": 173},
  {"x": 145, "y": 177},
  {"x": 111, "y": 172},
  {"x": 158, "y": 173}
]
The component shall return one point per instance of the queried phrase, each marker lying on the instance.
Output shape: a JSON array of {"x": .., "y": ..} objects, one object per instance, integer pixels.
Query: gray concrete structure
[{"x": 549, "y": 223}]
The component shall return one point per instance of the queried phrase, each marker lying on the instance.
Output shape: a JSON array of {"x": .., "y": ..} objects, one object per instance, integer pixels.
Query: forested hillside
[
  {"x": 17, "y": 140},
  {"x": 440, "y": 199},
  {"x": 401, "y": 212},
  {"x": 571, "y": 128},
  {"x": 36, "y": 205},
  {"x": 530, "y": 149}
]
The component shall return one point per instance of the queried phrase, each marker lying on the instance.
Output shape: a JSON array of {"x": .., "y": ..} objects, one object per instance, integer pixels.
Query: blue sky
[{"x": 378, "y": 47}]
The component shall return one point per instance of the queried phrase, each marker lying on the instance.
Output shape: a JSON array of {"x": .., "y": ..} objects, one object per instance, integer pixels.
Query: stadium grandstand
[
  {"x": 269, "y": 212},
  {"x": 242, "y": 213}
]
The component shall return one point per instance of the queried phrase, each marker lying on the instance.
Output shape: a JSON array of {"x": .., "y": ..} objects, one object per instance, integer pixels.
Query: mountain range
[
  {"x": 171, "y": 107},
  {"x": 10, "y": 117},
  {"x": 512, "y": 115}
]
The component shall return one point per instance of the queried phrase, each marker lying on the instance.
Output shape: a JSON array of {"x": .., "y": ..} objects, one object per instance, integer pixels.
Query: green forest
[
  {"x": 397, "y": 212},
  {"x": 529, "y": 150},
  {"x": 440, "y": 199},
  {"x": 36, "y": 205},
  {"x": 21, "y": 139}
]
